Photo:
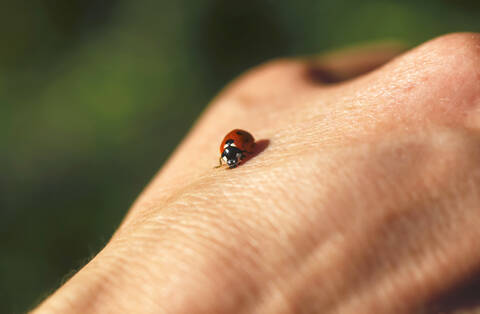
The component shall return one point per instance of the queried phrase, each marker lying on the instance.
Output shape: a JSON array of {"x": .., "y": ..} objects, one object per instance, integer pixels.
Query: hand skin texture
[{"x": 366, "y": 199}]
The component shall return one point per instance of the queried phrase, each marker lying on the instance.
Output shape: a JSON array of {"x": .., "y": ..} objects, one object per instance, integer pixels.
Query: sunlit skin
[{"x": 366, "y": 199}]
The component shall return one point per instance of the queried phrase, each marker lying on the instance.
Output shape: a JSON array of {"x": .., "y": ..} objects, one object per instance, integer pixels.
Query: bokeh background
[{"x": 94, "y": 96}]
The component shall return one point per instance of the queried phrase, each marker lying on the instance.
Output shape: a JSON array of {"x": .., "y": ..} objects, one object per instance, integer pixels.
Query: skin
[{"x": 365, "y": 200}]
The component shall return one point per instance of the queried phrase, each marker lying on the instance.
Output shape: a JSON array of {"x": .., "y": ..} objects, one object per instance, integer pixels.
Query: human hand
[{"x": 366, "y": 199}]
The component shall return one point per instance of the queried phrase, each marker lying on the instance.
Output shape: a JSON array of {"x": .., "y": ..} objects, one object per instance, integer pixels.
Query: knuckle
[
  {"x": 269, "y": 80},
  {"x": 455, "y": 55},
  {"x": 453, "y": 58},
  {"x": 439, "y": 78},
  {"x": 454, "y": 71},
  {"x": 271, "y": 70},
  {"x": 276, "y": 64}
]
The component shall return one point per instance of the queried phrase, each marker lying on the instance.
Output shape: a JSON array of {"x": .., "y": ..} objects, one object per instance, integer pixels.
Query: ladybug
[{"x": 235, "y": 146}]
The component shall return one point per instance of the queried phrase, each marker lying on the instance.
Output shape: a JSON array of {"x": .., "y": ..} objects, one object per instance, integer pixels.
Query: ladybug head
[{"x": 232, "y": 156}]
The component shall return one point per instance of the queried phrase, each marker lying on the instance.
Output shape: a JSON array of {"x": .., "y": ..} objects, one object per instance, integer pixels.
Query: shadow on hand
[
  {"x": 463, "y": 297},
  {"x": 259, "y": 147}
]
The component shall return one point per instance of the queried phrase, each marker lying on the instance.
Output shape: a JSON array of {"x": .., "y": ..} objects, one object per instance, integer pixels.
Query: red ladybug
[{"x": 235, "y": 146}]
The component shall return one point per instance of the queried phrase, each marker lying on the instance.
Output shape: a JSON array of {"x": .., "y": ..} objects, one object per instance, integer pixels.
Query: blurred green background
[{"x": 94, "y": 96}]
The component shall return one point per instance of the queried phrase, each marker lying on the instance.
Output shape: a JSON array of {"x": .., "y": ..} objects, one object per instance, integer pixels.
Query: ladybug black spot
[{"x": 239, "y": 133}]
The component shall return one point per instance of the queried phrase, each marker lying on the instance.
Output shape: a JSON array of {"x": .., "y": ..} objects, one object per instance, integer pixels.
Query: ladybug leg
[{"x": 219, "y": 162}]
